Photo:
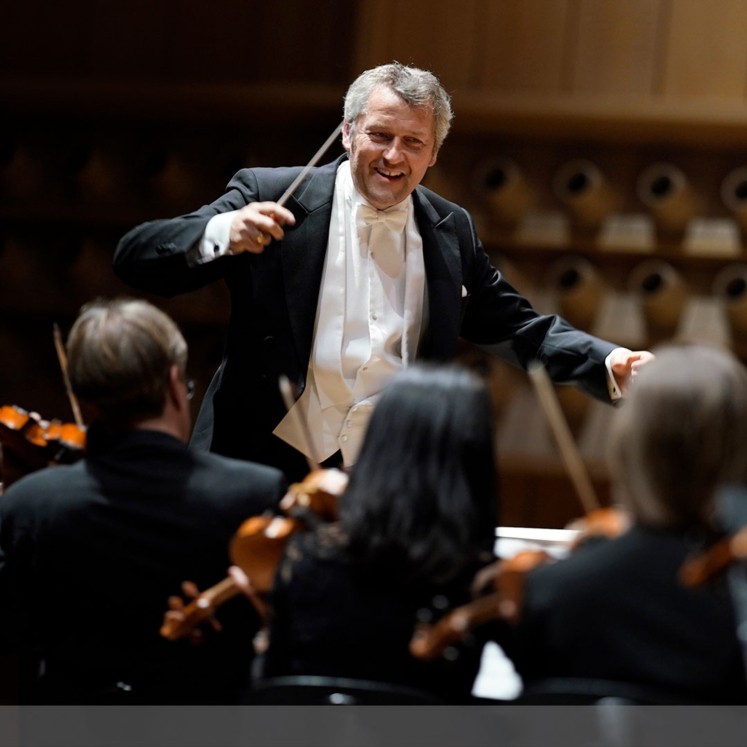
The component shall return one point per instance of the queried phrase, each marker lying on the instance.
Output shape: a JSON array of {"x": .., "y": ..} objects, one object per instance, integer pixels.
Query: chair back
[
  {"x": 591, "y": 691},
  {"x": 317, "y": 690}
]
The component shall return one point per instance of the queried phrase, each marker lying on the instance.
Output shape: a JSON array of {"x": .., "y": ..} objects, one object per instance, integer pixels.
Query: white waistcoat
[{"x": 368, "y": 322}]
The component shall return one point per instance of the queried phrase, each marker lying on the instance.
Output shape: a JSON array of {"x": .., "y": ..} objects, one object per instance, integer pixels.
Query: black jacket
[
  {"x": 90, "y": 553},
  {"x": 274, "y": 298}
]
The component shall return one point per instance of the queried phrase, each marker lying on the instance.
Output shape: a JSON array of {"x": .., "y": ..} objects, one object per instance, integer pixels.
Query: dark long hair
[{"x": 422, "y": 499}]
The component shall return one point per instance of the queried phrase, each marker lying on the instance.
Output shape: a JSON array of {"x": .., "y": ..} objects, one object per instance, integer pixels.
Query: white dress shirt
[{"x": 368, "y": 323}]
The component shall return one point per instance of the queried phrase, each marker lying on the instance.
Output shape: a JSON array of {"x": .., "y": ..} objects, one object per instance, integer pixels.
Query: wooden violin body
[
  {"x": 30, "y": 443},
  {"x": 714, "y": 561},
  {"x": 257, "y": 548}
]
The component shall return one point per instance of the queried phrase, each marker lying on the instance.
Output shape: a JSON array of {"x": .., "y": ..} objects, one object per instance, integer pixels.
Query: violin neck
[
  {"x": 429, "y": 641},
  {"x": 217, "y": 595}
]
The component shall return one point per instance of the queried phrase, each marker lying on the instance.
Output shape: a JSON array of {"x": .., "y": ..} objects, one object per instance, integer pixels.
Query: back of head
[
  {"x": 120, "y": 353},
  {"x": 681, "y": 434},
  {"x": 417, "y": 88},
  {"x": 422, "y": 499}
]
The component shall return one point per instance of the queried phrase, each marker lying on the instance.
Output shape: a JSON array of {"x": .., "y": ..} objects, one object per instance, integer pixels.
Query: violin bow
[
  {"x": 62, "y": 358},
  {"x": 310, "y": 165},
  {"x": 562, "y": 432},
  {"x": 430, "y": 640}
]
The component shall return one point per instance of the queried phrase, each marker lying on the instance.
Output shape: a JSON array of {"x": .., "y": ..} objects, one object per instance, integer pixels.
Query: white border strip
[{"x": 537, "y": 534}]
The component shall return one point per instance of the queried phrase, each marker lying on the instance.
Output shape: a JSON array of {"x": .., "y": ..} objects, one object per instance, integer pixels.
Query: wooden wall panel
[
  {"x": 635, "y": 71},
  {"x": 706, "y": 49},
  {"x": 44, "y": 38},
  {"x": 425, "y": 33},
  {"x": 615, "y": 46},
  {"x": 522, "y": 45},
  {"x": 181, "y": 40},
  {"x": 129, "y": 37},
  {"x": 131, "y": 109}
]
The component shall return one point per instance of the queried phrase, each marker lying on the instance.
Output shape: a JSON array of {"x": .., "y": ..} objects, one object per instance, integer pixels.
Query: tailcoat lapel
[
  {"x": 303, "y": 250},
  {"x": 443, "y": 270}
]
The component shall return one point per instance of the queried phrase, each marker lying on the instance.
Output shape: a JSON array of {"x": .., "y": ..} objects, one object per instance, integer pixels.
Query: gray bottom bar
[{"x": 369, "y": 726}]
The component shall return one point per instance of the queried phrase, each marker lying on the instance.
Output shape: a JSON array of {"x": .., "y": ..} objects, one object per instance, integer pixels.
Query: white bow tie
[{"x": 394, "y": 220}]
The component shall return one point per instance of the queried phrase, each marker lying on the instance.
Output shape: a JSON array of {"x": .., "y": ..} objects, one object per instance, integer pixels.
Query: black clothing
[
  {"x": 615, "y": 610},
  {"x": 330, "y": 618},
  {"x": 89, "y": 554}
]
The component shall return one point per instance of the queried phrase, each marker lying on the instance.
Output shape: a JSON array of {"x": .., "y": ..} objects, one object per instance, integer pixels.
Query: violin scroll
[{"x": 183, "y": 620}]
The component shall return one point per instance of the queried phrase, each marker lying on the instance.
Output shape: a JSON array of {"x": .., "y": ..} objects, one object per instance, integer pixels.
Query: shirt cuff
[
  {"x": 612, "y": 386},
  {"x": 215, "y": 240}
]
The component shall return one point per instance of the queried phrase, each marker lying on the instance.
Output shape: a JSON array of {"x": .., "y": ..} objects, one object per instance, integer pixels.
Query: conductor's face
[{"x": 391, "y": 147}]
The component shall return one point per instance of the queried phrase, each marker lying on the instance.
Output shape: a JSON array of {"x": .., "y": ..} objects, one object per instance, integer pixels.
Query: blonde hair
[
  {"x": 680, "y": 435},
  {"x": 417, "y": 88}
]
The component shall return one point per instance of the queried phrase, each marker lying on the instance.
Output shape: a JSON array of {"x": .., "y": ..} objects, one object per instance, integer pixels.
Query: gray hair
[
  {"x": 417, "y": 88},
  {"x": 120, "y": 353},
  {"x": 681, "y": 435}
]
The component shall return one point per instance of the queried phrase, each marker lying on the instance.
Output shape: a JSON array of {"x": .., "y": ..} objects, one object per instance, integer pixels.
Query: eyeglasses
[{"x": 190, "y": 386}]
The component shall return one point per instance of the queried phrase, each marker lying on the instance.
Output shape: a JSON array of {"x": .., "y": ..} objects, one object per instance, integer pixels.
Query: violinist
[
  {"x": 615, "y": 609},
  {"x": 416, "y": 521},
  {"x": 28, "y": 443},
  {"x": 89, "y": 551},
  {"x": 361, "y": 272}
]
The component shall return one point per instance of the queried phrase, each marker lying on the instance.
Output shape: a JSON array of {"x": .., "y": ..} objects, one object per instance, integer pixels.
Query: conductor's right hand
[{"x": 255, "y": 225}]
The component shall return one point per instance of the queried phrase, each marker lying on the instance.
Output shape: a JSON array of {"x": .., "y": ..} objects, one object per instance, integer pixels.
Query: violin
[
  {"x": 506, "y": 581},
  {"x": 608, "y": 521},
  {"x": 257, "y": 548},
  {"x": 429, "y": 641},
  {"x": 30, "y": 443},
  {"x": 706, "y": 565},
  {"x": 727, "y": 546},
  {"x": 507, "y": 577}
]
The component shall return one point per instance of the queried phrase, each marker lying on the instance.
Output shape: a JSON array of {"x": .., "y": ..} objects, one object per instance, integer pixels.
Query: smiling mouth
[{"x": 390, "y": 175}]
